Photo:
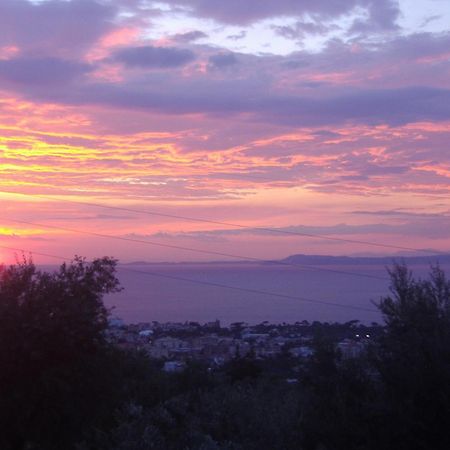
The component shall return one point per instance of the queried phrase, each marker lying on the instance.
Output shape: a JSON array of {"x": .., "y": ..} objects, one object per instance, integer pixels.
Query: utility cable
[
  {"x": 228, "y": 224},
  {"x": 191, "y": 249},
  {"x": 218, "y": 285}
]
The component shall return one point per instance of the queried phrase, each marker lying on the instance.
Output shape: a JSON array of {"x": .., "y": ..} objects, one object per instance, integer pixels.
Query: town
[{"x": 176, "y": 344}]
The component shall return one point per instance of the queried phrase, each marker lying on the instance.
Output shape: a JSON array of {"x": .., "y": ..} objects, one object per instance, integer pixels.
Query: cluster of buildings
[{"x": 178, "y": 343}]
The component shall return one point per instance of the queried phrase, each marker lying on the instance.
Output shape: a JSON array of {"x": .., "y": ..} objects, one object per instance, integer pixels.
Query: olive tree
[{"x": 55, "y": 365}]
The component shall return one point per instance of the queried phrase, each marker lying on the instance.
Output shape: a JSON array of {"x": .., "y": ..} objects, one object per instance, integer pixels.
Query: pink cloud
[{"x": 93, "y": 109}]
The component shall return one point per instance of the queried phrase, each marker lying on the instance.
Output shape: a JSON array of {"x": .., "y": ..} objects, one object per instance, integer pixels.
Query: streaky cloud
[
  {"x": 41, "y": 71},
  {"x": 154, "y": 57}
]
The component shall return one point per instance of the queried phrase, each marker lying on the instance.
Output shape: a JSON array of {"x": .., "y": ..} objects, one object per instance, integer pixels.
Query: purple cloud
[
  {"x": 154, "y": 57},
  {"x": 54, "y": 26},
  {"x": 189, "y": 36},
  {"x": 338, "y": 85},
  {"x": 418, "y": 45},
  {"x": 222, "y": 60},
  {"x": 403, "y": 213},
  {"x": 436, "y": 227},
  {"x": 237, "y": 37},
  {"x": 382, "y": 16},
  {"x": 301, "y": 28},
  {"x": 41, "y": 71},
  {"x": 393, "y": 106},
  {"x": 382, "y": 12},
  {"x": 229, "y": 97}
]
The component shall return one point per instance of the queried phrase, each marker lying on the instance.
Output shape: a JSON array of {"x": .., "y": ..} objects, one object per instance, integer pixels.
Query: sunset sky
[{"x": 321, "y": 117}]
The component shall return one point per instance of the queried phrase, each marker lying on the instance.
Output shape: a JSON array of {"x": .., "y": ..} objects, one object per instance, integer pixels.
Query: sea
[{"x": 252, "y": 293}]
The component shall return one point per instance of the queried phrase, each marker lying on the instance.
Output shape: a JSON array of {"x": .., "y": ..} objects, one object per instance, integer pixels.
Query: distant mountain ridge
[{"x": 321, "y": 260}]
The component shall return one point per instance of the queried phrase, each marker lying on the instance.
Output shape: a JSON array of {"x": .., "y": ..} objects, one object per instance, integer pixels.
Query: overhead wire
[
  {"x": 191, "y": 249},
  {"x": 223, "y": 223},
  {"x": 214, "y": 284}
]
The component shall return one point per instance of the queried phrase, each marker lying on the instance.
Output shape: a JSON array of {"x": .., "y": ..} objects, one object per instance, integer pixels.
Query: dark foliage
[
  {"x": 398, "y": 395},
  {"x": 56, "y": 368},
  {"x": 62, "y": 386},
  {"x": 412, "y": 359}
]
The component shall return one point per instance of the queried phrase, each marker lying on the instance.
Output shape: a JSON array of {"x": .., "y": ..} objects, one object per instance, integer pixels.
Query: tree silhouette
[
  {"x": 412, "y": 359},
  {"x": 55, "y": 376}
]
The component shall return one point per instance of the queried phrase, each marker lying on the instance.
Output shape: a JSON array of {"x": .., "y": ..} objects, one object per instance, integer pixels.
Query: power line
[
  {"x": 218, "y": 285},
  {"x": 229, "y": 224},
  {"x": 195, "y": 250},
  {"x": 15, "y": 249},
  {"x": 254, "y": 291}
]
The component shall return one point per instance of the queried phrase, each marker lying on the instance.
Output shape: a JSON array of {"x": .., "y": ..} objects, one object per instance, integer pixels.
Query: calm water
[{"x": 149, "y": 297}]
